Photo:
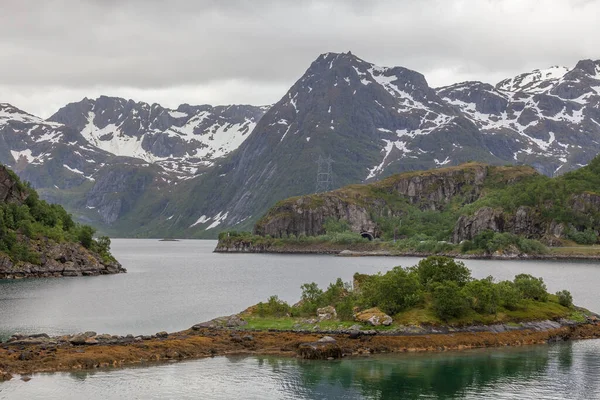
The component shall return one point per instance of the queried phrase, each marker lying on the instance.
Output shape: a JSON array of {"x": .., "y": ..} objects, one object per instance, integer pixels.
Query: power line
[{"x": 324, "y": 175}]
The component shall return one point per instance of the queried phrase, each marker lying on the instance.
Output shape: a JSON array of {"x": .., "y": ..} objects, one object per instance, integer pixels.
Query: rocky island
[
  {"x": 433, "y": 306},
  {"x": 38, "y": 239},
  {"x": 472, "y": 210}
]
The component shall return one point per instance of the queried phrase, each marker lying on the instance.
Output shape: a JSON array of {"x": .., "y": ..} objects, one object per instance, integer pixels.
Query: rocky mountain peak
[
  {"x": 536, "y": 81},
  {"x": 590, "y": 67},
  {"x": 181, "y": 140}
]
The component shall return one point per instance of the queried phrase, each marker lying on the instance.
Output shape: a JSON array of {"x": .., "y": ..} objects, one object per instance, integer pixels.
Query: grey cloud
[{"x": 183, "y": 47}]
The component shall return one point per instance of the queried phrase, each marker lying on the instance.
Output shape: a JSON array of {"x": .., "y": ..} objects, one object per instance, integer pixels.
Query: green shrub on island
[
  {"x": 35, "y": 219},
  {"x": 491, "y": 242},
  {"x": 565, "y": 298},
  {"x": 436, "y": 289}
]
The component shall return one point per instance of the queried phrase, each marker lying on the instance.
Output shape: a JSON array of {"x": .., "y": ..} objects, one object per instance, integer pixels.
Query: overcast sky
[{"x": 53, "y": 52}]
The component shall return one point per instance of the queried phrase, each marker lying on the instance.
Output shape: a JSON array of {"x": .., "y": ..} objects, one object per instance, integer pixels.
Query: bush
[
  {"x": 531, "y": 287},
  {"x": 587, "y": 236},
  {"x": 392, "y": 292},
  {"x": 273, "y": 308},
  {"x": 565, "y": 298},
  {"x": 482, "y": 295},
  {"x": 508, "y": 295},
  {"x": 438, "y": 269},
  {"x": 449, "y": 300},
  {"x": 334, "y": 225}
]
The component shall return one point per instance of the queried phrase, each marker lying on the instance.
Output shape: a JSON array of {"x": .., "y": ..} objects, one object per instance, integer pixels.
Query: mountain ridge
[{"x": 373, "y": 121}]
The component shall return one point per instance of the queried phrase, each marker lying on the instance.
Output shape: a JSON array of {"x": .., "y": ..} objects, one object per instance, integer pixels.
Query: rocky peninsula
[
  {"x": 29, "y": 354},
  {"x": 38, "y": 239}
]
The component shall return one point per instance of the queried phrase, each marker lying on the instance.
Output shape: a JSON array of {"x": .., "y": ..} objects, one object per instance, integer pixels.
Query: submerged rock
[{"x": 319, "y": 350}]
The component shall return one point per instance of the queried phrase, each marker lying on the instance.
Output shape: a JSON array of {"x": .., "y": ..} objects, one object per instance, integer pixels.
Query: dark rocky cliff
[{"x": 361, "y": 204}]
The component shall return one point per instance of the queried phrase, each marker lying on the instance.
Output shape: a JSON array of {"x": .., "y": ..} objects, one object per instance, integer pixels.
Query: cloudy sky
[{"x": 233, "y": 51}]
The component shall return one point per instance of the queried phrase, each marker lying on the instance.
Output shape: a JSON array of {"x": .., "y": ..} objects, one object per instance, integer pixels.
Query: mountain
[
  {"x": 554, "y": 126},
  {"x": 536, "y": 81},
  {"x": 375, "y": 121},
  {"x": 147, "y": 170},
  {"x": 183, "y": 140}
]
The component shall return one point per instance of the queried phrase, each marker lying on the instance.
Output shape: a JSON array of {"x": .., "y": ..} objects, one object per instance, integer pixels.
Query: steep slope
[
  {"x": 183, "y": 140},
  {"x": 40, "y": 240},
  {"x": 372, "y": 121}
]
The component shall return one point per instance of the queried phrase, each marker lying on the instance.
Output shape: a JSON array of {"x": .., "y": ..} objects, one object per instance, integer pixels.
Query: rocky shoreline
[
  {"x": 344, "y": 252},
  {"x": 28, "y": 354},
  {"x": 63, "y": 259}
]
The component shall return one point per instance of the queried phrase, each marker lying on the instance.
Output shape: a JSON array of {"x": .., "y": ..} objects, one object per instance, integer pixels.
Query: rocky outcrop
[
  {"x": 64, "y": 259},
  {"x": 360, "y": 205},
  {"x": 306, "y": 215},
  {"x": 323, "y": 349},
  {"x": 433, "y": 189},
  {"x": 9, "y": 188},
  {"x": 525, "y": 221},
  {"x": 373, "y": 316}
]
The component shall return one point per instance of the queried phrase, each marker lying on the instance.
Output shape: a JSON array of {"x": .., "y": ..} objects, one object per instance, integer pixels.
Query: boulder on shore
[
  {"x": 326, "y": 313},
  {"x": 373, "y": 316}
]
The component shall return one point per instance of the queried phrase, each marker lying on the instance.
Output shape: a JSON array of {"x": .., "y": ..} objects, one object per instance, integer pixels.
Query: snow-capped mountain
[
  {"x": 536, "y": 81},
  {"x": 181, "y": 140},
  {"x": 555, "y": 128},
  {"x": 45, "y": 152},
  {"x": 373, "y": 121}
]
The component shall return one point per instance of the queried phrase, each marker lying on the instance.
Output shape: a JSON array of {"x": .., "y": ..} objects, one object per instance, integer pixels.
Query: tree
[
  {"x": 565, "y": 298},
  {"x": 86, "y": 236},
  {"x": 448, "y": 300},
  {"x": 482, "y": 295},
  {"x": 438, "y": 269},
  {"x": 508, "y": 294},
  {"x": 531, "y": 287},
  {"x": 394, "y": 291}
]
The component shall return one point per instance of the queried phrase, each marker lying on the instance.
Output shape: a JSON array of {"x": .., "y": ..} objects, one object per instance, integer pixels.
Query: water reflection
[
  {"x": 445, "y": 375},
  {"x": 557, "y": 371}
]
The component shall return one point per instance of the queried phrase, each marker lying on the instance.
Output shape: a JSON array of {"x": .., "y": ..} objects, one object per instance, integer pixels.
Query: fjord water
[{"x": 173, "y": 285}]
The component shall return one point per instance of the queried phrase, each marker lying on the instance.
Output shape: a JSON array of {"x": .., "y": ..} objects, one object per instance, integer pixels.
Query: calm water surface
[{"x": 173, "y": 285}]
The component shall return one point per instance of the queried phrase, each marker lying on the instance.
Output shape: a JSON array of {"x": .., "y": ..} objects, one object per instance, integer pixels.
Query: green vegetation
[
  {"x": 438, "y": 290},
  {"x": 520, "y": 200},
  {"x": 23, "y": 224}
]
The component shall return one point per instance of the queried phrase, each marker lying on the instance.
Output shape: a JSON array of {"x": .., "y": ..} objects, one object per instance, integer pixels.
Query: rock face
[
  {"x": 9, "y": 191},
  {"x": 64, "y": 259},
  {"x": 525, "y": 221},
  {"x": 428, "y": 190}
]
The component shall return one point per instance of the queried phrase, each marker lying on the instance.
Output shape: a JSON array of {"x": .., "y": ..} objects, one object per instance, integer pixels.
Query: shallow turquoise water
[{"x": 558, "y": 371}]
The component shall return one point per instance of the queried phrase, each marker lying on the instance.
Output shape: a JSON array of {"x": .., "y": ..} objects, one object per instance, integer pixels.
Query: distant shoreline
[{"x": 342, "y": 252}]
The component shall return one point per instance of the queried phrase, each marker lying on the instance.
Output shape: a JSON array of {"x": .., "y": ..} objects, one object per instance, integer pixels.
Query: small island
[
  {"x": 471, "y": 210},
  {"x": 435, "y": 305},
  {"x": 38, "y": 239}
]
